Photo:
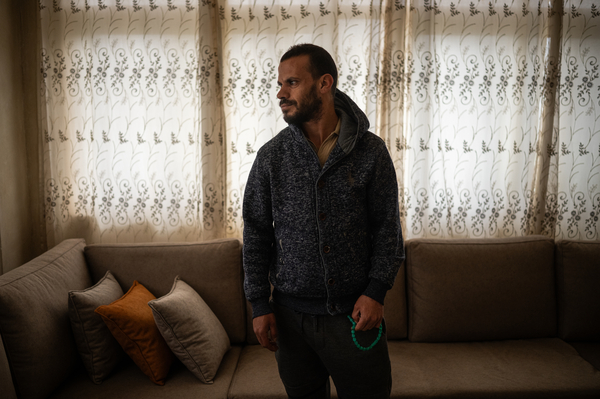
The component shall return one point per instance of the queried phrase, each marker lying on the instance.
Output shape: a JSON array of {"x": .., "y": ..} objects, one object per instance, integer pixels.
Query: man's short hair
[{"x": 320, "y": 61}]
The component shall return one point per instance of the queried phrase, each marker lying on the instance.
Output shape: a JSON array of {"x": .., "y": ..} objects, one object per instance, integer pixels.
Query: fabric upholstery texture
[
  {"x": 256, "y": 376},
  {"x": 129, "y": 383},
  {"x": 212, "y": 268},
  {"x": 590, "y": 351},
  {"x": 191, "y": 329},
  {"x": 34, "y": 319},
  {"x": 536, "y": 368},
  {"x": 517, "y": 368},
  {"x": 395, "y": 308},
  {"x": 99, "y": 350},
  {"x": 130, "y": 321},
  {"x": 8, "y": 389},
  {"x": 475, "y": 290},
  {"x": 578, "y": 278}
]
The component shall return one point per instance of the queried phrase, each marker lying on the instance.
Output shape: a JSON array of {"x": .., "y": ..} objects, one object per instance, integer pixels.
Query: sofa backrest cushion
[
  {"x": 481, "y": 289},
  {"x": 395, "y": 307},
  {"x": 212, "y": 268},
  {"x": 34, "y": 318},
  {"x": 578, "y": 279}
]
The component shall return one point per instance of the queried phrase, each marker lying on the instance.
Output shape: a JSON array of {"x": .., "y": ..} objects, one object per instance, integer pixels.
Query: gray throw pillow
[
  {"x": 191, "y": 329},
  {"x": 97, "y": 347}
]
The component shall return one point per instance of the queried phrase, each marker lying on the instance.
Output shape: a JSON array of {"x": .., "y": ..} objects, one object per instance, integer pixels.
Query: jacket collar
[{"x": 354, "y": 123}]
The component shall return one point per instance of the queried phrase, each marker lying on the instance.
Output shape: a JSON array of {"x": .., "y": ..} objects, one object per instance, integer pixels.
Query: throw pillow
[
  {"x": 191, "y": 330},
  {"x": 99, "y": 350},
  {"x": 130, "y": 321}
]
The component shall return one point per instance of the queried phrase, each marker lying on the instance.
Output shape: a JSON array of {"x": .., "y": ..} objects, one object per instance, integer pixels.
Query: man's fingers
[
  {"x": 356, "y": 315},
  {"x": 265, "y": 329},
  {"x": 273, "y": 332},
  {"x": 272, "y": 338},
  {"x": 367, "y": 313},
  {"x": 360, "y": 326},
  {"x": 270, "y": 344},
  {"x": 365, "y": 324},
  {"x": 263, "y": 338}
]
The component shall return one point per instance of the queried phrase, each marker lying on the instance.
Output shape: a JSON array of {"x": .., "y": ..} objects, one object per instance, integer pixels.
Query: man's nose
[{"x": 282, "y": 93}]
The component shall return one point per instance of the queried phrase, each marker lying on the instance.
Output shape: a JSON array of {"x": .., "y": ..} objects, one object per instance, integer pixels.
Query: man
[{"x": 321, "y": 224}]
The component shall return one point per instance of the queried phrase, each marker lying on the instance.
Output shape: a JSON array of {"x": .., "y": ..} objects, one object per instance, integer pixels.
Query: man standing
[{"x": 321, "y": 224}]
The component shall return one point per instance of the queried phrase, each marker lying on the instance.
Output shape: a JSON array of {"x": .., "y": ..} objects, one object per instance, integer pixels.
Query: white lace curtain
[{"x": 154, "y": 110}]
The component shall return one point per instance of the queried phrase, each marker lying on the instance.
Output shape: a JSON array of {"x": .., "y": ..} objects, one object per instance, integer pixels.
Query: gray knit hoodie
[{"x": 322, "y": 236}]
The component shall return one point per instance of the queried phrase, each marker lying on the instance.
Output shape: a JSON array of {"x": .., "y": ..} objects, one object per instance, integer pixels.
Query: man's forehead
[{"x": 295, "y": 65}]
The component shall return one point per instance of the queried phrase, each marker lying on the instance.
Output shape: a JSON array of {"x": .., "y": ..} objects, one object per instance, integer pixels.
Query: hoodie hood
[{"x": 354, "y": 122}]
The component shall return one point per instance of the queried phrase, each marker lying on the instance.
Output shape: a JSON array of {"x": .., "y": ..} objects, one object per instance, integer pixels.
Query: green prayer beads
[{"x": 359, "y": 346}]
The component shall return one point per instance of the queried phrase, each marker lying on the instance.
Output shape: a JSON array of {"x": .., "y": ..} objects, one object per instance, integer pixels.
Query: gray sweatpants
[{"x": 312, "y": 348}]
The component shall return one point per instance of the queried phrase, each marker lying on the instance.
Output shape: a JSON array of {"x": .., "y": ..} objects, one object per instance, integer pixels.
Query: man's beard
[{"x": 308, "y": 109}]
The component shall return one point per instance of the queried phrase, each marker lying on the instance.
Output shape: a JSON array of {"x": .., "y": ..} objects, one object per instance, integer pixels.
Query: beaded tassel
[{"x": 359, "y": 346}]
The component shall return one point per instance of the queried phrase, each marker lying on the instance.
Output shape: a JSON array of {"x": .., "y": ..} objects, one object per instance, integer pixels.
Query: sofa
[{"x": 473, "y": 318}]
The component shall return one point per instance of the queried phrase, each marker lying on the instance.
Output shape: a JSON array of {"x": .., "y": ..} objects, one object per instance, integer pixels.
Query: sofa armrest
[
  {"x": 34, "y": 320},
  {"x": 8, "y": 389}
]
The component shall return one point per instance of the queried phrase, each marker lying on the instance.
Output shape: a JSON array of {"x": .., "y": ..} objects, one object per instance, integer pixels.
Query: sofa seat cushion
[
  {"x": 257, "y": 376},
  {"x": 590, "y": 351},
  {"x": 127, "y": 382},
  {"x": 537, "y": 368}
]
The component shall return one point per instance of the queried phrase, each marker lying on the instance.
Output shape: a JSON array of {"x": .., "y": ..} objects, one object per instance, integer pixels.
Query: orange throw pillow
[{"x": 131, "y": 322}]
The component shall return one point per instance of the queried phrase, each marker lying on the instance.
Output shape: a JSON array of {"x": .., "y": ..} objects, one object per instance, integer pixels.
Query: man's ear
[{"x": 326, "y": 83}]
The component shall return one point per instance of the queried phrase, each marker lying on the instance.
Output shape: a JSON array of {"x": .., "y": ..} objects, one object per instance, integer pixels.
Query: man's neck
[{"x": 318, "y": 130}]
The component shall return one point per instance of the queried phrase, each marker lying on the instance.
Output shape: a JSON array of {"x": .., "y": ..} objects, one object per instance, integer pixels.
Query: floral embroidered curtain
[
  {"x": 499, "y": 134},
  {"x": 153, "y": 111},
  {"x": 133, "y": 121}
]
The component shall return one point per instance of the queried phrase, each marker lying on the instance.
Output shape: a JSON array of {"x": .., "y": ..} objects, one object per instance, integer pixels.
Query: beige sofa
[{"x": 491, "y": 318}]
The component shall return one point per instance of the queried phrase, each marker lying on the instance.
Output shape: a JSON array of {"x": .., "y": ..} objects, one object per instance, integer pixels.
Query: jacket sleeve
[
  {"x": 384, "y": 218},
  {"x": 258, "y": 237}
]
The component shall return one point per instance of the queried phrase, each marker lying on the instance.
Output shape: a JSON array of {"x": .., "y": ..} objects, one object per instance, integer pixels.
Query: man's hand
[
  {"x": 367, "y": 313},
  {"x": 265, "y": 329}
]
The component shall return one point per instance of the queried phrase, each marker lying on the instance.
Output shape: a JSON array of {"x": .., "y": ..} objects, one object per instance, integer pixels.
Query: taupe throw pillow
[
  {"x": 191, "y": 329},
  {"x": 97, "y": 347}
]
